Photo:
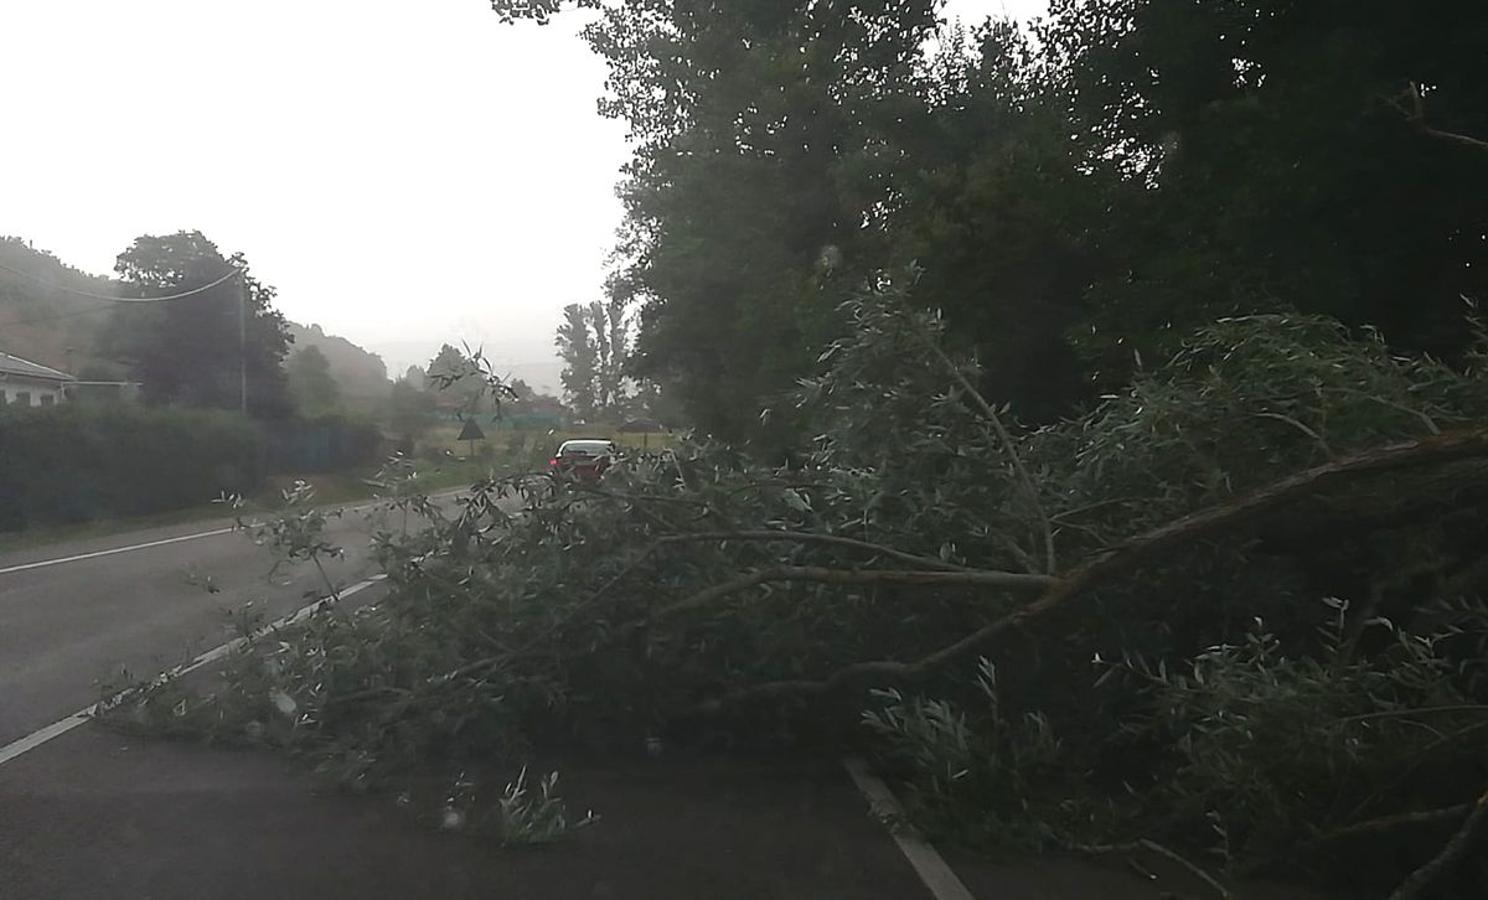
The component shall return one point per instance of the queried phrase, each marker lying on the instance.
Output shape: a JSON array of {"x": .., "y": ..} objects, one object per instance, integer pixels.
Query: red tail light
[{"x": 553, "y": 463}]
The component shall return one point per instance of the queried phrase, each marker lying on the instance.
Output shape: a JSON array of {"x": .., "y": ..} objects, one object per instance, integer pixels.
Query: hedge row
[{"x": 73, "y": 463}]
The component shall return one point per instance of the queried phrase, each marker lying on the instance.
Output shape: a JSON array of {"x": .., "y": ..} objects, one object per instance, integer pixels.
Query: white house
[{"x": 25, "y": 383}]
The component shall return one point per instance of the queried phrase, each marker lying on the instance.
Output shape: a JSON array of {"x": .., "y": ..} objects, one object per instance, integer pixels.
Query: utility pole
[{"x": 242, "y": 342}]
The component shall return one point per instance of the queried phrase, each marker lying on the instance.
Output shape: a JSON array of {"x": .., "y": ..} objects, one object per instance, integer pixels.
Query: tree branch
[
  {"x": 1124, "y": 557},
  {"x": 1153, "y": 846},
  {"x": 1419, "y": 880},
  {"x": 1387, "y": 823},
  {"x": 1009, "y": 581},
  {"x": 1415, "y": 114},
  {"x": 803, "y": 537},
  {"x": 1050, "y": 564}
]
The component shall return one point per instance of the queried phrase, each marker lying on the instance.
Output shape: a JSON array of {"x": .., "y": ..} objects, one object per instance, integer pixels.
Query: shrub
[{"x": 72, "y": 463}]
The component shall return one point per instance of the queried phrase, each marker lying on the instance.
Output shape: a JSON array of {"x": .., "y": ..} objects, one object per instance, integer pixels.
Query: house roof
[{"x": 14, "y": 365}]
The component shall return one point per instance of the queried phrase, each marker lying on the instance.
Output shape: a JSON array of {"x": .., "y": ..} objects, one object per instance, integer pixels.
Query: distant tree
[
  {"x": 310, "y": 382},
  {"x": 577, "y": 348},
  {"x": 416, "y": 377},
  {"x": 455, "y": 379},
  {"x": 411, "y": 411},
  {"x": 187, "y": 351},
  {"x": 361, "y": 377}
]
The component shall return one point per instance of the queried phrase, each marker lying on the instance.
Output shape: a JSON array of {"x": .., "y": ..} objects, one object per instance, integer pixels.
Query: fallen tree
[{"x": 1278, "y": 573}]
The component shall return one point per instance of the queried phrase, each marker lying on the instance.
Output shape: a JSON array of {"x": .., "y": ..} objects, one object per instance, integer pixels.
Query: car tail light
[{"x": 553, "y": 462}]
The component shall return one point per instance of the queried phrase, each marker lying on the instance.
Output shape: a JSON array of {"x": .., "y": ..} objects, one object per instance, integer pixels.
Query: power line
[{"x": 62, "y": 287}]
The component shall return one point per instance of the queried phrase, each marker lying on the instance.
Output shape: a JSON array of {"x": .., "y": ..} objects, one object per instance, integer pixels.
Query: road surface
[
  {"x": 92, "y": 813},
  {"x": 73, "y": 615}
]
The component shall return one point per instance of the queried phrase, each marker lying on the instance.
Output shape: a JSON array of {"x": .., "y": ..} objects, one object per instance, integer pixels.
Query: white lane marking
[
  {"x": 110, "y": 552},
  {"x": 62, "y": 726},
  {"x": 175, "y": 540},
  {"x": 943, "y": 883}
]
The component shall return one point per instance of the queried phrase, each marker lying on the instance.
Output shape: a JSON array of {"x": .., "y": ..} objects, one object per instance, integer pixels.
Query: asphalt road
[
  {"x": 78, "y": 619},
  {"x": 95, "y": 813}
]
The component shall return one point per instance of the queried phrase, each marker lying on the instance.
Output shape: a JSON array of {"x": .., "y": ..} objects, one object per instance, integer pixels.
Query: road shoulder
[{"x": 97, "y": 814}]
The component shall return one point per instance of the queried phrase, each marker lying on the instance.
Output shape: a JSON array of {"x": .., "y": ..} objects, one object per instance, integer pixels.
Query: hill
[
  {"x": 42, "y": 320},
  {"x": 358, "y": 373}
]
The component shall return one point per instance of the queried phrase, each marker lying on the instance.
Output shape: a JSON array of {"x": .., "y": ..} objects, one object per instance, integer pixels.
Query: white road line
[
  {"x": 943, "y": 883},
  {"x": 110, "y": 552},
  {"x": 62, "y": 726},
  {"x": 175, "y": 540}
]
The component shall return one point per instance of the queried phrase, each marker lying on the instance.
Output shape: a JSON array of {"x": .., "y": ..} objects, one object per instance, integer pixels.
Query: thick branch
[
  {"x": 1415, "y": 114},
  {"x": 1422, "y": 878},
  {"x": 1050, "y": 565},
  {"x": 1126, "y": 556},
  {"x": 802, "y": 537},
  {"x": 1008, "y": 581}
]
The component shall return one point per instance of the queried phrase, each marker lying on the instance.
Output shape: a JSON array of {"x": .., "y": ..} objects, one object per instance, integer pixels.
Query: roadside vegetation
[
  {"x": 1089, "y": 422},
  {"x": 1126, "y": 626}
]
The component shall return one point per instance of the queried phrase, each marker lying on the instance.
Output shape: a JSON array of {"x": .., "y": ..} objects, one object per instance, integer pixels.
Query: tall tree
[
  {"x": 188, "y": 351},
  {"x": 577, "y": 348},
  {"x": 760, "y": 151},
  {"x": 1273, "y": 157}
]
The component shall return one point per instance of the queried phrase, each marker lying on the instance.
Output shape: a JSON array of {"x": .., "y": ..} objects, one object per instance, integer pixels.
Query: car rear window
[{"x": 585, "y": 448}]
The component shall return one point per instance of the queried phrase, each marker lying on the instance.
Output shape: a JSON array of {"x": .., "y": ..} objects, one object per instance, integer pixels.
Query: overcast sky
[{"x": 406, "y": 172}]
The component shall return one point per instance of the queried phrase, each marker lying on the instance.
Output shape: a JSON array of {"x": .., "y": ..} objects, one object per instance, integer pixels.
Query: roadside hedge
[{"x": 74, "y": 463}]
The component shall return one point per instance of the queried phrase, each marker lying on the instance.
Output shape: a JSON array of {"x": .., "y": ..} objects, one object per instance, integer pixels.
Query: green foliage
[
  {"x": 188, "y": 352},
  {"x": 970, "y": 780},
  {"x": 546, "y": 612},
  {"x": 594, "y": 343},
  {"x": 1079, "y": 203},
  {"x": 72, "y": 463},
  {"x": 1272, "y": 749},
  {"x": 540, "y": 818},
  {"x": 1237, "y": 128}
]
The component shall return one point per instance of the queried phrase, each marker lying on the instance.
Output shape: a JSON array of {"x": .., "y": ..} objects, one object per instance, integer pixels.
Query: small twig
[
  {"x": 1422, "y": 878},
  {"x": 1322, "y": 444},
  {"x": 1091, "y": 507},
  {"x": 1050, "y": 564},
  {"x": 1155, "y": 847},
  {"x": 1421, "y": 414},
  {"x": 1427, "y": 710},
  {"x": 1387, "y": 823}
]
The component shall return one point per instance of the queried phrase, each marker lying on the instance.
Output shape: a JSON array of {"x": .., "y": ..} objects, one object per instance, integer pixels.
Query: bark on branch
[
  {"x": 1421, "y": 879},
  {"x": 1122, "y": 558},
  {"x": 1007, "y": 581},
  {"x": 803, "y": 537},
  {"x": 1415, "y": 114}
]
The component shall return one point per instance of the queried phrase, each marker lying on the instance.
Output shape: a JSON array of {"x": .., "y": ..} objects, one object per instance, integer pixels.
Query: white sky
[{"x": 406, "y": 172}]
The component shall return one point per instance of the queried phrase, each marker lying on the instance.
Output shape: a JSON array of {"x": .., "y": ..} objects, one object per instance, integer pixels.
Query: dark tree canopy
[
  {"x": 187, "y": 351},
  {"x": 1074, "y": 203}
]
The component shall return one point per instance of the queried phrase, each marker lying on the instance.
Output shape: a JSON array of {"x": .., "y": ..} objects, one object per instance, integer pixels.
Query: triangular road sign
[{"x": 471, "y": 432}]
